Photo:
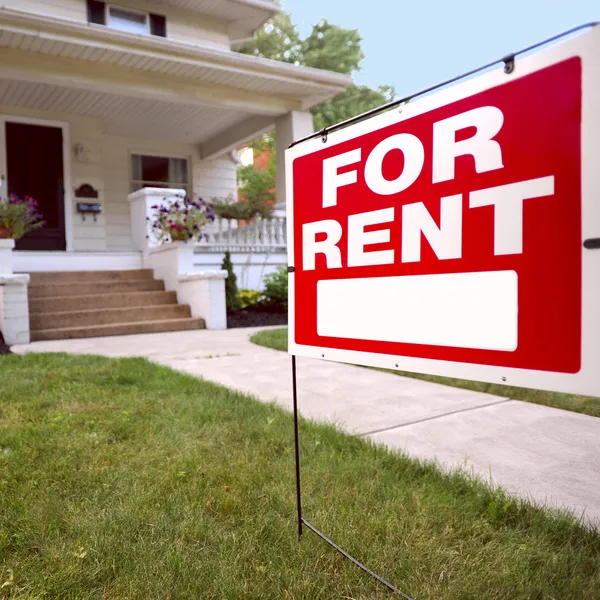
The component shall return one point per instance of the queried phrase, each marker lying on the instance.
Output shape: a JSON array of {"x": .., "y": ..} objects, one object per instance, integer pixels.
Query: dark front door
[{"x": 34, "y": 163}]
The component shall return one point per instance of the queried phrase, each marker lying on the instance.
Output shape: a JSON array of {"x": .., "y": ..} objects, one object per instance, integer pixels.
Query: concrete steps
[
  {"x": 69, "y": 305},
  {"x": 49, "y": 278},
  {"x": 83, "y": 288},
  {"x": 68, "y": 333},
  {"x": 114, "y": 300}
]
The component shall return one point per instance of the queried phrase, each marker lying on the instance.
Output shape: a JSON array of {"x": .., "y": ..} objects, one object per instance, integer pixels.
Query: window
[
  {"x": 159, "y": 171},
  {"x": 127, "y": 20},
  {"x": 124, "y": 19}
]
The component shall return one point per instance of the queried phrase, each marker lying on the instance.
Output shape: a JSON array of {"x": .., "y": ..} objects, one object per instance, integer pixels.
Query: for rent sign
[{"x": 447, "y": 236}]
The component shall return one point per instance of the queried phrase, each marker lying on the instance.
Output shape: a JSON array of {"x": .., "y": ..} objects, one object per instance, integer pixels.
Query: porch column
[
  {"x": 14, "y": 305},
  {"x": 14, "y": 309},
  {"x": 289, "y": 128}
]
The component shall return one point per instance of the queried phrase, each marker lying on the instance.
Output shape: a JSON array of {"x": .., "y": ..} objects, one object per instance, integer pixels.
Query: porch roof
[{"x": 148, "y": 87}]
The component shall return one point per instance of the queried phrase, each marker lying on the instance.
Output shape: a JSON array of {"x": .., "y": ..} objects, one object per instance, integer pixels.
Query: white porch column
[
  {"x": 289, "y": 128},
  {"x": 6, "y": 261},
  {"x": 140, "y": 211},
  {"x": 14, "y": 304},
  {"x": 14, "y": 309}
]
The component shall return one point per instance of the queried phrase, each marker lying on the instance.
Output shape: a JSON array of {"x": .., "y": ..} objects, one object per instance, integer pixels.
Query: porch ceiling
[{"x": 122, "y": 115}]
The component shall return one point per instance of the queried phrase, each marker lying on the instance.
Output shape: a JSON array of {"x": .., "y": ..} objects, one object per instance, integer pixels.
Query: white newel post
[
  {"x": 140, "y": 210},
  {"x": 204, "y": 291},
  {"x": 173, "y": 262},
  {"x": 14, "y": 306},
  {"x": 6, "y": 264}
]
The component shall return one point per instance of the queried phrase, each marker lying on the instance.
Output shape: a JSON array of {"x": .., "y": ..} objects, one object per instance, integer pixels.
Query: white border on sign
[{"x": 587, "y": 381}]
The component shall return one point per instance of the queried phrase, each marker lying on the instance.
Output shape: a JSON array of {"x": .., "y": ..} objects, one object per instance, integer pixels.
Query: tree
[
  {"x": 353, "y": 101},
  {"x": 232, "y": 295},
  {"x": 257, "y": 184},
  {"x": 327, "y": 47},
  {"x": 332, "y": 48},
  {"x": 278, "y": 39}
]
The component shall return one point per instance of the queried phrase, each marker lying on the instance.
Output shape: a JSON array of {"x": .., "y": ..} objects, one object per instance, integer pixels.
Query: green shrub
[
  {"x": 249, "y": 297},
  {"x": 229, "y": 208},
  {"x": 276, "y": 288},
  {"x": 232, "y": 296}
]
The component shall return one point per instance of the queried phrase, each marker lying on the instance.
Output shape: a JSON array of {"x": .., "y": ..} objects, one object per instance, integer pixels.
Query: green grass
[
  {"x": 277, "y": 339},
  {"x": 122, "y": 479}
]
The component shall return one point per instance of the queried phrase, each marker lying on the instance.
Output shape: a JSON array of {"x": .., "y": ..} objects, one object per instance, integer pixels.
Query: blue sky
[{"x": 412, "y": 44}]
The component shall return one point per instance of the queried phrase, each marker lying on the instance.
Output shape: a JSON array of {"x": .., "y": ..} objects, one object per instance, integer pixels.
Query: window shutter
[
  {"x": 96, "y": 12},
  {"x": 158, "y": 25}
]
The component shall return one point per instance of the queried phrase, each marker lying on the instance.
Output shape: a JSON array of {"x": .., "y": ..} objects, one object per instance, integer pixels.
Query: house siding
[
  {"x": 183, "y": 26},
  {"x": 62, "y": 9},
  {"x": 105, "y": 164}
]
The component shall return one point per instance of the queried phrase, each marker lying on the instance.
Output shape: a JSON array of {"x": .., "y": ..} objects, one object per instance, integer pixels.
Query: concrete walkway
[{"x": 545, "y": 454}]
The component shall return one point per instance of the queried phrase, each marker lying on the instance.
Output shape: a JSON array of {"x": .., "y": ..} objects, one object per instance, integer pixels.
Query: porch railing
[{"x": 261, "y": 235}]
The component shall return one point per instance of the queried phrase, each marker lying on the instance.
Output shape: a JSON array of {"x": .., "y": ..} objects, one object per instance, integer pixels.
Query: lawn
[
  {"x": 122, "y": 479},
  {"x": 278, "y": 339}
]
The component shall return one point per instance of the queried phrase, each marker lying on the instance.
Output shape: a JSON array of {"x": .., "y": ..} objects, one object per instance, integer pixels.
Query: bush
[
  {"x": 249, "y": 298},
  {"x": 228, "y": 208},
  {"x": 232, "y": 296},
  {"x": 276, "y": 289}
]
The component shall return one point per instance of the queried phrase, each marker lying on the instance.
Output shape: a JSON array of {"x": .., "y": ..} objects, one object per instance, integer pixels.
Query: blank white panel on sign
[{"x": 461, "y": 310}]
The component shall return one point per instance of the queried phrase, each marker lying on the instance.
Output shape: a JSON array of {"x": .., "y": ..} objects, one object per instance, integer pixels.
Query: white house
[{"x": 100, "y": 103}]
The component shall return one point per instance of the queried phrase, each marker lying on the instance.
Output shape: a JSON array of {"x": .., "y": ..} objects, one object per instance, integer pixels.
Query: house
[{"x": 112, "y": 105}]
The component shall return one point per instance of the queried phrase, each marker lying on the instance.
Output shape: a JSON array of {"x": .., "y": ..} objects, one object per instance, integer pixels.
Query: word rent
[{"x": 323, "y": 237}]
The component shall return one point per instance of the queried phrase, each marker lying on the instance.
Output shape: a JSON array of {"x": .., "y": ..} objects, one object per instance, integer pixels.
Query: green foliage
[
  {"x": 356, "y": 100},
  {"x": 278, "y": 39},
  {"x": 123, "y": 479},
  {"x": 257, "y": 186},
  {"x": 19, "y": 216},
  {"x": 249, "y": 298},
  {"x": 232, "y": 296},
  {"x": 332, "y": 48},
  {"x": 276, "y": 288},
  {"x": 228, "y": 208},
  {"x": 327, "y": 47}
]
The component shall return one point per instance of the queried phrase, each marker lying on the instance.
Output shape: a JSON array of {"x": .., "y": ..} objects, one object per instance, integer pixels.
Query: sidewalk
[{"x": 544, "y": 454}]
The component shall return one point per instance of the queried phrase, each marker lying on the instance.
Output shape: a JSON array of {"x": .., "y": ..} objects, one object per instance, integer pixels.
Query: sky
[{"x": 412, "y": 44}]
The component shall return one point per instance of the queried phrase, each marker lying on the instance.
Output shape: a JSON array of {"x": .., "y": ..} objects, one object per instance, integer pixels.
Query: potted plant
[
  {"x": 18, "y": 216},
  {"x": 181, "y": 220}
]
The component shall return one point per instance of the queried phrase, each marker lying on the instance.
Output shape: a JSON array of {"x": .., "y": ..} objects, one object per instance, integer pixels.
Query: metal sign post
[{"x": 302, "y": 521}]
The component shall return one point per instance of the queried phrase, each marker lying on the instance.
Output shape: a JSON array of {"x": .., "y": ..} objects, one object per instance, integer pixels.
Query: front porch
[
  {"x": 172, "y": 286},
  {"x": 91, "y": 116}
]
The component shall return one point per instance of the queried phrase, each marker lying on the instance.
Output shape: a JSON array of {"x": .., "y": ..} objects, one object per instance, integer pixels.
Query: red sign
[{"x": 452, "y": 235}]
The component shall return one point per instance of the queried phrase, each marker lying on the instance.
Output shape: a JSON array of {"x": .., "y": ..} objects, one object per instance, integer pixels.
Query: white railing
[{"x": 261, "y": 235}]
